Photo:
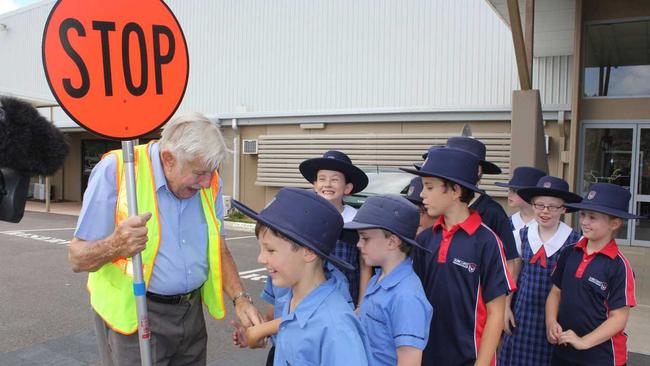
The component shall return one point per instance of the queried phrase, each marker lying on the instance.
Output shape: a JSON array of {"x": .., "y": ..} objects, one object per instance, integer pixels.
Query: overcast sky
[{"x": 9, "y": 5}]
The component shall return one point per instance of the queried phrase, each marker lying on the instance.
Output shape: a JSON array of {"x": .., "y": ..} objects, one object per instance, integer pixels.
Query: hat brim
[
  {"x": 527, "y": 195},
  {"x": 417, "y": 201},
  {"x": 508, "y": 185},
  {"x": 604, "y": 209},
  {"x": 310, "y": 167},
  {"x": 295, "y": 237},
  {"x": 489, "y": 167},
  {"x": 460, "y": 182},
  {"x": 354, "y": 225}
]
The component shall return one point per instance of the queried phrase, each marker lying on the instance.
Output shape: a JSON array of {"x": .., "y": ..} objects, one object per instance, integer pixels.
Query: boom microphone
[{"x": 29, "y": 145}]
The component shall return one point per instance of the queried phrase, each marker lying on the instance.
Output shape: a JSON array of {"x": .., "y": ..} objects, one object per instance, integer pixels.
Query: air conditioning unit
[
  {"x": 39, "y": 191},
  {"x": 249, "y": 147},
  {"x": 227, "y": 203}
]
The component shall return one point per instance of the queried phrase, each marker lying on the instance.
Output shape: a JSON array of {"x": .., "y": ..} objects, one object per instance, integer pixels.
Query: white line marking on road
[
  {"x": 52, "y": 229},
  {"x": 47, "y": 239},
  {"x": 241, "y": 237}
]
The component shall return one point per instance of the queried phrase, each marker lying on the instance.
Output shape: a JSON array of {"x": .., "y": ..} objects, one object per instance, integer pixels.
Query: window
[{"x": 617, "y": 59}]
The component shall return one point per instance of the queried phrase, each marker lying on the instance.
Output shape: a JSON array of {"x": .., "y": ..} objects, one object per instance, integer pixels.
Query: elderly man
[{"x": 180, "y": 235}]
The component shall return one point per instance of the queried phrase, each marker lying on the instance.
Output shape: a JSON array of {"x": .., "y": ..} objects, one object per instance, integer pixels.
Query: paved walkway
[{"x": 638, "y": 326}]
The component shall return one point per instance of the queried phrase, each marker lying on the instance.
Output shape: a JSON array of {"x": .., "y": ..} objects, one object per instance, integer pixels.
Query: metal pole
[{"x": 139, "y": 288}]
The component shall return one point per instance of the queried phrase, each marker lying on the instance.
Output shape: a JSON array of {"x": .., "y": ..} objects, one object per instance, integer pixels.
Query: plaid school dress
[{"x": 528, "y": 344}]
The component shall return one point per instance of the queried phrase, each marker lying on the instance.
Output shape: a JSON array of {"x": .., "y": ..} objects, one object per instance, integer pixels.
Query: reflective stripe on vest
[{"x": 111, "y": 286}]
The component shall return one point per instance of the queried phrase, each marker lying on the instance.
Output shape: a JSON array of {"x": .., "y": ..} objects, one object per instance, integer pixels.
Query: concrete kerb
[{"x": 240, "y": 226}]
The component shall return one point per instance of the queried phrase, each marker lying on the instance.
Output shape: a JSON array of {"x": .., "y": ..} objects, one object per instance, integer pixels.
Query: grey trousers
[{"x": 178, "y": 337}]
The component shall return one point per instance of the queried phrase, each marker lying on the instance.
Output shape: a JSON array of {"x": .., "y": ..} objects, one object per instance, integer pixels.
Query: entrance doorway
[{"x": 619, "y": 153}]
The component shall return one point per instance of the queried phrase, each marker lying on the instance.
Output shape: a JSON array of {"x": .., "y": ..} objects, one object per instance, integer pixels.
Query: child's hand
[
  {"x": 508, "y": 320},
  {"x": 553, "y": 332},
  {"x": 570, "y": 337},
  {"x": 238, "y": 334}
]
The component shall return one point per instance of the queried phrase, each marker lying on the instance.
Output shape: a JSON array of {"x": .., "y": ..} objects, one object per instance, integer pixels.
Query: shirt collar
[
  {"x": 552, "y": 245},
  {"x": 610, "y": 249},
  {"x": 156, "y": 164},
  {"x": 470, "y": 225},
  {"x": 395, "y": 276},
  {"x": 308, "y": 306}
]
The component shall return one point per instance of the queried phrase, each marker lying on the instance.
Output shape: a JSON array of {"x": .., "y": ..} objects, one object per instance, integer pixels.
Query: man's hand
[
  {"x": 570, "y": 337},
  {"x": 509, "y": 320},
  {"x": 247, "y": 313},
  {"x": 553, "y": 332},
  {"x": 130, "y": 235}
]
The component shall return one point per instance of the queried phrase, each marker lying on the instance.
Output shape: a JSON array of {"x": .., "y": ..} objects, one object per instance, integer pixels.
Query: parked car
[{"x": 381, "y": 180}]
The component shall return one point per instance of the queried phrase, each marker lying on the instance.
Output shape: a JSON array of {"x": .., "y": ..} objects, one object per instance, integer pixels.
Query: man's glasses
[{"x": 541, "y": 207}]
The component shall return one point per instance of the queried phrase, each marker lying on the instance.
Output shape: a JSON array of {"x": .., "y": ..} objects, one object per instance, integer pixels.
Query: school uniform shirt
[
  {"x": 465, "y": 270},
  {"x": 592, "y": 285},
  {"x": 496, "y": 219},
  {"x": 528, "y": 344},
  {"x": 346, "y": 249},
  {"x": 321, "y": 330},
  {"x": 395, "y": 313}
]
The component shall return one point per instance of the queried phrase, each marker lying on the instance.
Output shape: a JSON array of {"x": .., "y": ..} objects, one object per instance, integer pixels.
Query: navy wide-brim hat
[
  {"x": 523, "y": 177},
  {"x": 414, "y": 190},
  {"x": 390, "y": 212},
  {"x": 454, "y": 165},
  {"x": 337, "y": 161},
  {"x": 304, "y": 218},
  {"x": 552, "y": 187},
  {"x": 607, "y": 198},
  {"x": 477, "y": 148}
]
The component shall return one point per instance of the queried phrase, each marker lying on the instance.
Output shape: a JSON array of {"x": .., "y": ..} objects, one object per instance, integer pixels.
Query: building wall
[{"x": 597, "y": 10}]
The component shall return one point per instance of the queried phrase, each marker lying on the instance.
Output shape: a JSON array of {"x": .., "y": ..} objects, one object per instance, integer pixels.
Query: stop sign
[{"x": 119, "y": 68}]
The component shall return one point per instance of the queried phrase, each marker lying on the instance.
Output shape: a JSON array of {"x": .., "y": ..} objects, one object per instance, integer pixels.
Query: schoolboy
[
  {"x": 333, "y": 177},
  {"x": 524, "y": 340},
  {"x": 593, "y": 285},
  {"x": 413, "y": 194},
  {"x": 395, "y": 312},
  {"x": 491, "y": 212},
  {"x": 298, "y": 233},
  {"x": 466, "y": 278}
]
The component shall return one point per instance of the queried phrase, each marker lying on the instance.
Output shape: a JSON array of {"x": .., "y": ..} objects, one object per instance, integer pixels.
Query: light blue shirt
[
  {"x": 322, "y": 330},
  {"x": 394, "y": 313},
  {"x": 181, "y": 264}
]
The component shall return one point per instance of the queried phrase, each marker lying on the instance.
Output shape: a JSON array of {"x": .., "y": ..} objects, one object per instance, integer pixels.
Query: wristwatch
[{"x": 239, "y": 295}]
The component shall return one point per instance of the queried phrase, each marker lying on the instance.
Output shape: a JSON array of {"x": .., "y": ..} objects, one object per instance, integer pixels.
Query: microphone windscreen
[{"x": 29, "y": 143}]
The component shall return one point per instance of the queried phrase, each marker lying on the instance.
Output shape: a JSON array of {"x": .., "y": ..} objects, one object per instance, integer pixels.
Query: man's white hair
[{"x": 193, "y": 135}]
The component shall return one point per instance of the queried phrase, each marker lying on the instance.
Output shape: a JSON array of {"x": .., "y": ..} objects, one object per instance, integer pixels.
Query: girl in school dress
[{"x": 541, "y": 243}]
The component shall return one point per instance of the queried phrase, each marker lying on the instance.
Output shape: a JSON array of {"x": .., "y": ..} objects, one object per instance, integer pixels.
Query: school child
[
  {"x": 593, "y": 285},
  {"x": 522, "y": 177},
  {"x": 524, "y": 340},
  {"x": 413, "y": 194},
  {"x": 465, "y": 277},
  {"x": 491, "y": 212},
  {"x": 298, "y": 232},
  {"x": 395, "y": 312},
  {"x": 333, "y": 177}
]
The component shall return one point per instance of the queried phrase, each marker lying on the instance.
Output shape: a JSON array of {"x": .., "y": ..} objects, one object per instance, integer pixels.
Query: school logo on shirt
[
  {"x": 601, "y": 284},
  {"x": 470, "y": 267},
  {"x": 591, "y": 195}
]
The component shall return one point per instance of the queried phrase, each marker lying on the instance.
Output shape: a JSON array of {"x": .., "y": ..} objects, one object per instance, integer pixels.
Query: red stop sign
[{"x": 119, "y": 68}]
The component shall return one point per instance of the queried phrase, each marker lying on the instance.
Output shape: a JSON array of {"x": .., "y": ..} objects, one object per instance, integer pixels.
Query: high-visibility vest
[{"x": 111, "y": 286}]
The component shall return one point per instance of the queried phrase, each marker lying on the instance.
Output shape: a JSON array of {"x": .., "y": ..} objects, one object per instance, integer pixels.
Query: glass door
[{"x": 619, "y": 153}]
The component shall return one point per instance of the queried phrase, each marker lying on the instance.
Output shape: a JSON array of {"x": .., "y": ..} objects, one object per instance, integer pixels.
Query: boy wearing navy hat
[
  {"x": 413, "y": 194},
  {"x": 465, "y": 277},
  {"x": 593, "y": 285},
  {"x": 395, "y": 312},
  {"x": 334, "y": 176},
  {"x": 491, "y": 212},
  {"x": 298, "y": 232},
  {"x": 541, "y": 243}
]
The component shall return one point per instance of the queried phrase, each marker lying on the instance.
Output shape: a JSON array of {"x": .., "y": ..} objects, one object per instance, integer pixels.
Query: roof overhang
[{"x": 554, "y": 25}]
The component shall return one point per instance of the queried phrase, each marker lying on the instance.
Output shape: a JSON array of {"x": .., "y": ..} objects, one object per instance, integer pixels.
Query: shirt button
[
  {"x": 183, "y": 241},
  {"x": 189, "y": 272}
]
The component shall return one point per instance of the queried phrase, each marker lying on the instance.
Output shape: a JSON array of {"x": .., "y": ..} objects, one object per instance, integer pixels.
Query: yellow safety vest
[{"x": 111, "y": 286}]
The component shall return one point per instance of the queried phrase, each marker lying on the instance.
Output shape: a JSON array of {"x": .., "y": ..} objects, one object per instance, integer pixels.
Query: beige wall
[{"x": 615, "y": 109}]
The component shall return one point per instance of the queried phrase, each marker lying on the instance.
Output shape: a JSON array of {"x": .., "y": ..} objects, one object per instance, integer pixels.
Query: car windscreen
[{"x": 387, "y": 183}]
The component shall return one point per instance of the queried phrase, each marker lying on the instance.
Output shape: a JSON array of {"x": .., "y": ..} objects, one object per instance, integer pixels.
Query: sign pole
[{"x": 139, "y": 288}]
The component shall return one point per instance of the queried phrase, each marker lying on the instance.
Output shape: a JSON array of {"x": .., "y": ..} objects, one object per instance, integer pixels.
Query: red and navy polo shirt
[
  {"x": 592, "y": 285},
  {"x": 493, "y": 215},
  {"x": 465, "y": 270}
]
